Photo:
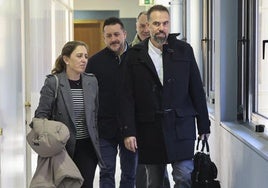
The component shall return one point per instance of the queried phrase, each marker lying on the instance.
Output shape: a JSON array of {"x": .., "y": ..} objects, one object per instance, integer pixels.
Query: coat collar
[
  {"x": 109, "y": 51},
  {"x": 65, "y": 91},
  {"x": 145, "y": 58}
]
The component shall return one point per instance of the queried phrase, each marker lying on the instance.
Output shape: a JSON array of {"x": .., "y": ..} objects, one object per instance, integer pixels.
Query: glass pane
[
  {"x": 262, "y": 73},
  {"x": 12, "y": 142},
  {"x": 208, "y": 70},
  {"x": 204, "y": 44},
  {"x": 38, "y": 50},
  {"x": 61, "y": 27}
]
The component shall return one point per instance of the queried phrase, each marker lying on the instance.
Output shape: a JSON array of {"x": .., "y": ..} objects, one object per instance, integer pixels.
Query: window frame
[
  {"x": 207, "y": 45},
  {"x": 247, "y": 59}
]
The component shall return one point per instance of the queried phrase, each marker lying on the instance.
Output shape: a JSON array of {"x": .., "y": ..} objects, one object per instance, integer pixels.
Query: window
[
  {"x": 253, "y": 62},
  {"x": 262, "y": 59},
  {"x": 245, "y": 34},
  {"x": 259, "y": 113},
  {"x": 207, "y": 50}
]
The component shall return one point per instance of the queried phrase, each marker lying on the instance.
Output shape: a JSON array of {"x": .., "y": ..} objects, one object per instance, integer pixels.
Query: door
[{"x": 90, "y": 31}]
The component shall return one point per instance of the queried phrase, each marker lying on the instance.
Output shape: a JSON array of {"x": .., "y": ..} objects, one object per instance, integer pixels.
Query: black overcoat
[
  {"x": 163, "y": 117},
  {"x": 106, "y": 65}
]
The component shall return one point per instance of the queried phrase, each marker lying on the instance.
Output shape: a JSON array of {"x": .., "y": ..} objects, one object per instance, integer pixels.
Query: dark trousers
[
  {"x": 86, "y": 161},
  {"x": 181, "y": 173},
  {"x": 128, "y": 163}
]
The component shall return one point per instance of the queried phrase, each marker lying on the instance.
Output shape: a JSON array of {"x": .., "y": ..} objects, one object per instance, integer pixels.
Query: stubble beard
[{"x": 160, "y": 40}]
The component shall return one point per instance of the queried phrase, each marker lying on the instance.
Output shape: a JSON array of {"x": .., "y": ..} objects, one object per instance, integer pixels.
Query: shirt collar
[{"x": 154, "y": 49}]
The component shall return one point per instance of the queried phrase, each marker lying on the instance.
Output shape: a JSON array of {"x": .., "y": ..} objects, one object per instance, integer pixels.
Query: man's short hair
[
  {"x": 113, "y": 21},
  {"x": 156, "y": 8},
  {"x": 142, "y": 13}
]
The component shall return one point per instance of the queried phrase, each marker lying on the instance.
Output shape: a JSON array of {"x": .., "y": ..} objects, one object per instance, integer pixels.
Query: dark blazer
[
  {"x": 162, "y": 117},
  {"x": 64, "y": 111},
  {"x": 106, "y": 66}
]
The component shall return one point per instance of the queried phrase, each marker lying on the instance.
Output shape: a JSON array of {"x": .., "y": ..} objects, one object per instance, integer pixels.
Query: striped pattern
[{"x": 79, "y": 114}]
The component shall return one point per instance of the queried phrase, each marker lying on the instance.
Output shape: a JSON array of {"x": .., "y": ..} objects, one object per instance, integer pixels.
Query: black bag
[{"x": 205, "y": 171}]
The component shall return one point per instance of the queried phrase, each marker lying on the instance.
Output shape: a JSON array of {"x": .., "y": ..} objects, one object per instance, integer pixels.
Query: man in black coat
[
  {"x": 106, "y": 65},
  {"x": 142, "y": 34},
  {"x": 162, "y": 102}
]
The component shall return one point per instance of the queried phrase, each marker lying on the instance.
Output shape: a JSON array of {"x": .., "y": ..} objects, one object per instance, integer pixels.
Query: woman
[{"x": 76, "y": 106}]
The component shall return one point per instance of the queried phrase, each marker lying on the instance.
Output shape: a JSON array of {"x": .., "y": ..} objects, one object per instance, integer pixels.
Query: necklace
[{"x": 75, "y": 82}]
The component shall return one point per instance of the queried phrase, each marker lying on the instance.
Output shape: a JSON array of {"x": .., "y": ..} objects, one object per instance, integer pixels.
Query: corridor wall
[{"x": 32, "y": 35}]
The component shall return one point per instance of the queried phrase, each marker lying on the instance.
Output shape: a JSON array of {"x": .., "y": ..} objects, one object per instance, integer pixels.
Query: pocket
[
  {"x": 185, "y": 112},
  {"x": 185, "y": 123}
]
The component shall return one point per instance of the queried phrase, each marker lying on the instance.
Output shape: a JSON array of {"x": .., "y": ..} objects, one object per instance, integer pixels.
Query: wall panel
[
  {"x": 12, "y": 148},
  {"x": 32, "y": 33}
]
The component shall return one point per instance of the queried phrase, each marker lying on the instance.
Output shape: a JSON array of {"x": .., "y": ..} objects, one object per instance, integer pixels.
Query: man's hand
[{"x": 131, "y": 143}]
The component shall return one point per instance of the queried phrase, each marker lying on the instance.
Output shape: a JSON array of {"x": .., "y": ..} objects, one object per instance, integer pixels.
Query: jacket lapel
[
  {"x": 87, "y": 92},
  {"x": 65, "y": 90},
  {"x": 147, "y": 61}
]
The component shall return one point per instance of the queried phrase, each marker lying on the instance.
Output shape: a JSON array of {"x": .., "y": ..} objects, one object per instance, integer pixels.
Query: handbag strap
[
  {"x": 204, "y": 144},
  {"x": 57, "y": 85},
  {"x": 55, "y": 97}
]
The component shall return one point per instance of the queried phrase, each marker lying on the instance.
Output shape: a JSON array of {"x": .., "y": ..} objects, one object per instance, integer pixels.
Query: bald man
[{"x": 141, "y": 28}]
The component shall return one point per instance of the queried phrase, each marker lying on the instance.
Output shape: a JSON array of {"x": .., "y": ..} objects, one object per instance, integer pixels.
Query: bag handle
[
  {"x": 204, "y": 144},
  {"x": 55, "y": 97},
  {"x": 57, "y": 85}
]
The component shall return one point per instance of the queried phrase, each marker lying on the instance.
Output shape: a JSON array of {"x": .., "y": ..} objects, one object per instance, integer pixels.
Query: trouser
[
  {"x": 141, "y": 177},
  {"x": 86, "y": 161},
  {"x": 128, "y": 164},
  {"x": 181, "y": 172}
]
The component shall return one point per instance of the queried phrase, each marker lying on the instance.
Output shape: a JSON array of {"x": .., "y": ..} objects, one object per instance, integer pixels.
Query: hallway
[{"x": 228, "y": 38}]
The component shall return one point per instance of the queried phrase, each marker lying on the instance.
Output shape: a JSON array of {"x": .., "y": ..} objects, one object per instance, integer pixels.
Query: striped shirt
[{"x": 79, "y": 110}]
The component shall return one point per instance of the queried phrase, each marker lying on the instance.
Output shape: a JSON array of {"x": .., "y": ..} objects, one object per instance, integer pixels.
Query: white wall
[
  {"x": 239, "y": 164},
  {"x": 32, "y": 34},
  {"x": 12, "y": 141},
  {"x": 193, "y": 29},
  {"x": 127, "y": 8}
]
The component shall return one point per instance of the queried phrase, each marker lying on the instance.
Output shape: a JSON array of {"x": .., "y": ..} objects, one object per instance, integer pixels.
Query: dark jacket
[
  {"x": 106, "y": 66},
  {"x": 64, "y": 107},
  {"x": 162, "y": 117}
]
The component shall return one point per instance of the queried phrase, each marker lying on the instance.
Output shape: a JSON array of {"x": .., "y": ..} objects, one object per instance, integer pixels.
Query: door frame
[{"x": 89, "y": 22}]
